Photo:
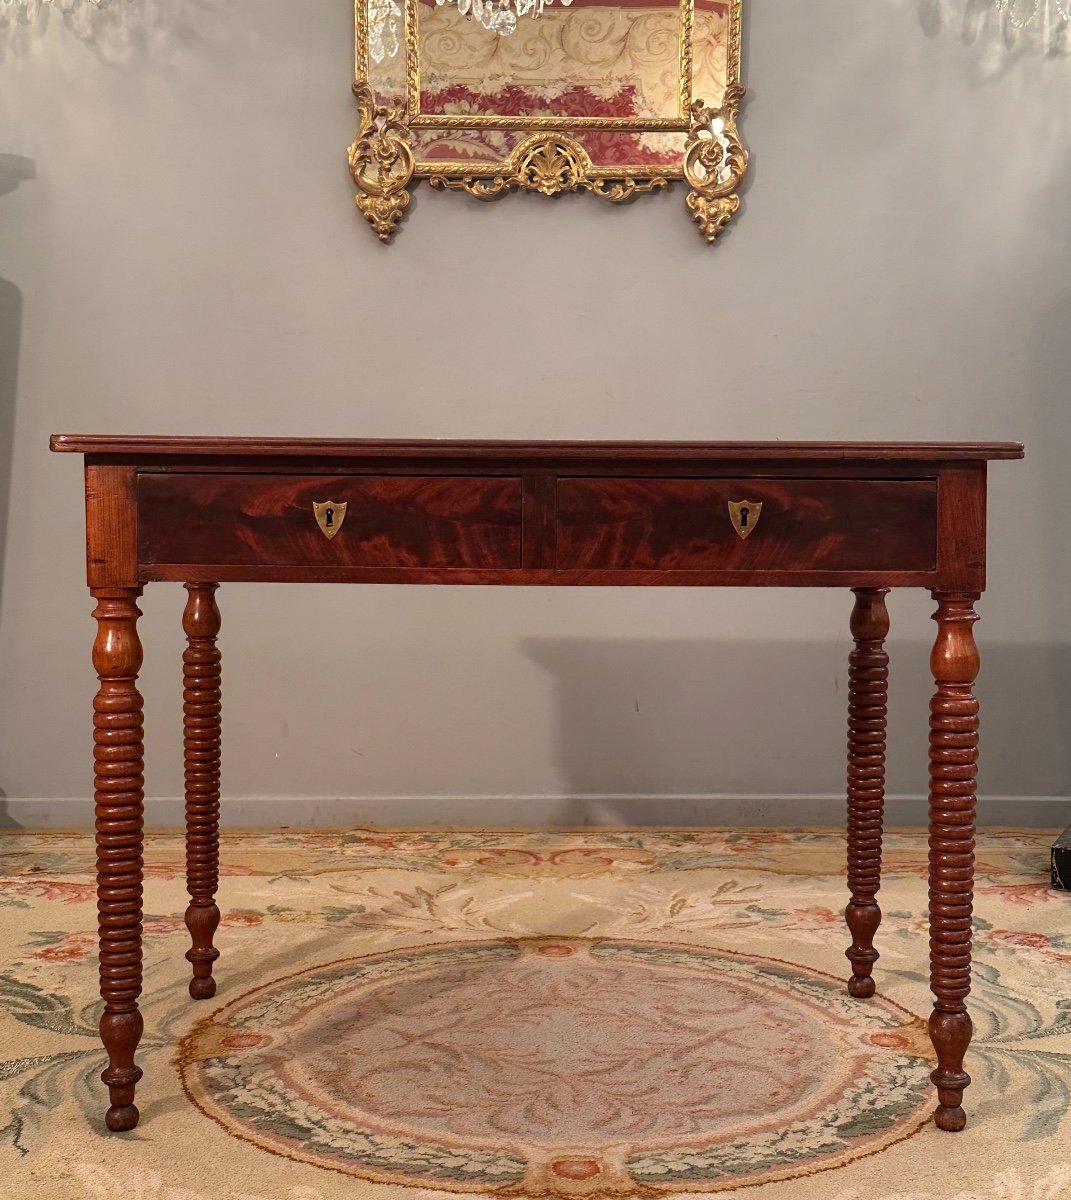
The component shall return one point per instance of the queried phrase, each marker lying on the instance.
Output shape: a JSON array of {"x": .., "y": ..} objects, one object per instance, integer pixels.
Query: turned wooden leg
[
  {"x": 201, "y": 728},
  {"x": 953, "y": 773},
  {"x": 868, "y": 694},
  {"x": 118, "y": 753}
]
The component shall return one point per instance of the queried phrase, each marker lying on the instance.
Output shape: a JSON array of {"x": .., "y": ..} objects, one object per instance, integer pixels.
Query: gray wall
[{"x": 181, "y": 255}]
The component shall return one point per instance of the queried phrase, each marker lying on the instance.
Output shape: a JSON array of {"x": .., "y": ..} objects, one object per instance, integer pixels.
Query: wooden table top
[{"x": 142, "y": 446}]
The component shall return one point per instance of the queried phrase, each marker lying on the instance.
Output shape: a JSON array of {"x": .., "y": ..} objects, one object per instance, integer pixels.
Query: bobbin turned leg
[
  {"x": 118, "y": 753},
  {"x": 201, "y": 729},
  {"x": 868, "y": 693},
  {"x": 953, "y": 772}
]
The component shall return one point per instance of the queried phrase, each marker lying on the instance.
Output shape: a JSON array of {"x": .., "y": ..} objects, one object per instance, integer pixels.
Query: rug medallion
[{"x": 561, "y": 1066}]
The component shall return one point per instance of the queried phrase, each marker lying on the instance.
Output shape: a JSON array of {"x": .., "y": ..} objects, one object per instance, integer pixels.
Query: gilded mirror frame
[{"x": 549, "y": 157}]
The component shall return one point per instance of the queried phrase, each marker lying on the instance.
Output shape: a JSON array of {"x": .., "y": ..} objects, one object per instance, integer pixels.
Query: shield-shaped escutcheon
[
  {"x": 744, "y": 515},
  {"x": 329, "y": 516}
]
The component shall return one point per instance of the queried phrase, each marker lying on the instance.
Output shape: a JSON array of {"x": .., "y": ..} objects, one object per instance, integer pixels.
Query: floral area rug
[{"x": 595, "y": 1014}]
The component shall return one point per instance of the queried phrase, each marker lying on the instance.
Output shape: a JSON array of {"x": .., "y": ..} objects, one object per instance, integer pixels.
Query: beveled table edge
[{"x": 141, "y": 446}]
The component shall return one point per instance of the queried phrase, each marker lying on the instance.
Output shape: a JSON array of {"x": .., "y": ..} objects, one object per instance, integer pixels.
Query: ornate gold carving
[
  {"x": 478, "y": 121},
  {"x": 550, "y": 164},
  {"x": 715, "y": 163},
  {"x": 744, "y": 515},
  {"x": 685, "y": 59},
  {"x": 397, "y": 142},
  {"x": 381, "y": 163},
  {"x": 412, "y": 58}
]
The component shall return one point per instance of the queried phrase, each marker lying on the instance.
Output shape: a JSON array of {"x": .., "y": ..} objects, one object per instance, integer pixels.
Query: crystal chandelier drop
[
  {"x": 500, "y": 16},
  {"x": 1021, "y": 14},
  {"x": 384, "y": 23},
  {"x": 1003, "y": 27},
  {"x": 1019, "y": 26},
  {"x": 385, "y": 18}
]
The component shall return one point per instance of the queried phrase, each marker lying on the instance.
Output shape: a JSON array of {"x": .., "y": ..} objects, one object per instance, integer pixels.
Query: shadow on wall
[
  {"x": 1002, "y": 31},
  {"x": 14, "y": 169},
  {"x": 116, "y": 30},
  {"x": 1045, "y": 389},
  {"x": 688, "y": 718}
]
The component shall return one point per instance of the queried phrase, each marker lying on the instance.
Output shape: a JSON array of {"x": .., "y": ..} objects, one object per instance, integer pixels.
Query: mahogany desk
[{"x": 201, "y": 511}]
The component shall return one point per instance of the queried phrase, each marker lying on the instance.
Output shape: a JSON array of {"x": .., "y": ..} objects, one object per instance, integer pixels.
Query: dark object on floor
[{"x": 1061, "y": 861}]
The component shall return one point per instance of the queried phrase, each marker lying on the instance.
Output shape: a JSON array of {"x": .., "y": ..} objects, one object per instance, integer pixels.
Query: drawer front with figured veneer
[
  {"x": 751, "y": 524},
  {"x": 374, "y": 521}
]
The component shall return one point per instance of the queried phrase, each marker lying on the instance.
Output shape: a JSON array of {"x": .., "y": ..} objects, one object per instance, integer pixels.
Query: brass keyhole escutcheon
[
  {"x": 744, "y": 515},
  {"x": 329, "y": 516}
]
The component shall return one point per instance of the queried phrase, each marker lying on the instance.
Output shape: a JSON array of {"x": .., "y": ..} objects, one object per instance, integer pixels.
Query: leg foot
[
  {"x": 951, "y": 1120},
  {"x": 868, "y": 692},
  {"x": 123, "y": 1119},
  {"x": 202, "y": 989},
  {"x": 950, "y": 1033},
  {"x": 202, "y": 922},
  {"x": 121, "y": 1032},
  {"x": 861, "y": 987}
]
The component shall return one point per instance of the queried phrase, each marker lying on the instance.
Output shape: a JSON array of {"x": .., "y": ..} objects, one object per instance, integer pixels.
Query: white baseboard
[{"x": 533, "y": 812}]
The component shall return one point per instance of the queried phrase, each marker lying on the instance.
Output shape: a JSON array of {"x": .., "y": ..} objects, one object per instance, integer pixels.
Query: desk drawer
[
  {"x": 803, "y": 524},
  {"x": 375, "y": 520}
]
